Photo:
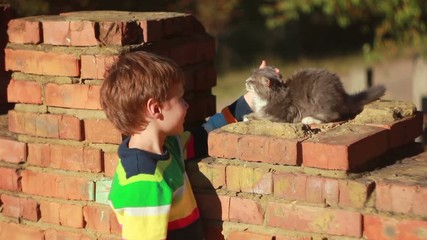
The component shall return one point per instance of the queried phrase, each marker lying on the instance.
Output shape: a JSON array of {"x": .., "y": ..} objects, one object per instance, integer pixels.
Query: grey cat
[{"x": 309, "y": 96}]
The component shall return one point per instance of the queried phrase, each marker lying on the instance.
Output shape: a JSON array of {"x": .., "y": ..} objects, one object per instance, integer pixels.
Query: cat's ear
[{"x": 265, "y": 81}]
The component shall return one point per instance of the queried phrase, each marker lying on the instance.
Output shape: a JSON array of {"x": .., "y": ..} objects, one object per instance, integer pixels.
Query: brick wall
[
  {"x": 6, "y": 14},
  {"x": 362, "y": 179},
  {"x": 56, "y": 166}
]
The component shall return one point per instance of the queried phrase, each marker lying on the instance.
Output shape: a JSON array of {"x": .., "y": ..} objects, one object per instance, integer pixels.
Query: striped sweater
[{"x": 151, "y": 194}]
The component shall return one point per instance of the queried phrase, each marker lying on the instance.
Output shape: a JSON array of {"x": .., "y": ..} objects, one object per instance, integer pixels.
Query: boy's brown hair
[{"x": 130, "y": 82}]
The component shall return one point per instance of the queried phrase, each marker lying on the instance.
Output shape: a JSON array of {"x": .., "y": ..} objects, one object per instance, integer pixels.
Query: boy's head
[{"x": 130, "y": 82}]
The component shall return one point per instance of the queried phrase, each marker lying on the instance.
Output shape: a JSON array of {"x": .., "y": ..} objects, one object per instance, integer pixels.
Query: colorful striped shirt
[{"x": 151, "y": 194}]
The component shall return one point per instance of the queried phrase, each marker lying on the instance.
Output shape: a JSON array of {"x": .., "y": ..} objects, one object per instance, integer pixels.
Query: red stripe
[
  {"x": 183, "y": 222},
  {"x": 190, "y": 148}
]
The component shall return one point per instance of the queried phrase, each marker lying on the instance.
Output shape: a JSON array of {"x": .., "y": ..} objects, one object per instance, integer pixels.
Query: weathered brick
[
  {"x": 223, "y": 144},
  {"x": 206, "y": 49},
  {"x": 56, "y": 32},
  {"x": 82, "y": 33},
  {"x": 45, "y": 125},
  {"x": 347, "y": 147},
  {"x": 212, "y": 206},
  {"x": 401, "y": 197},
  {"x": 11, "y": 230},
  {"x": 283, "y": 151},
  {"x": 246, "y": 235},
  {"x": 50, "y": 212},
  {"x": 293, "y": 238},
  {"x": 98, "y": 218},
  {"x": 75, "y": 158},
  {"x": 72, "y": 96},
  {"x": 42, "y": 63},
  {"x": 314, "y": 219},
  {"x": 246, "y": 211},
  {"x": 9, "y": 179},
  {"x": 12, "y": 151},
  {"x": 95, "y": 66},
  {"x": 389, "y": 228},
  {"x": 71, "y": 215},
  {"x": 205, "y": 78},
  {"x": 57, "y": 185},
  {"x": 120, "y": 33},
  {"x": 110, "y": 163},
  {"x": 152, "y": 30},
  {"x": 200, "y": 108},
  {"x": 24, "y": 92},
  {"x": 403, "y": 131},
  {"x": 95, "y": 131},
  {"x": 184, "y": 53},
  {"x": 17, "y": 207},
  {"x": 24, "y": 30}
]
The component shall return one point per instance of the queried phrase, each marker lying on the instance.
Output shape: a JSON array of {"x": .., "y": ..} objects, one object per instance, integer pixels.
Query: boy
[{"x": 142, "y": 96}]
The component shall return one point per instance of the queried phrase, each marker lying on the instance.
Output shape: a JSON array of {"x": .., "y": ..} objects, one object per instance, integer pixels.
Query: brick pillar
[
  {"x": 55, "y": 174},
  {"x": 6, "y": 14}
]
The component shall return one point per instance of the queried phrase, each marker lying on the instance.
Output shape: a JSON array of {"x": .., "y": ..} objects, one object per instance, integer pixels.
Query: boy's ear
[{"x": 154, "y": 109}]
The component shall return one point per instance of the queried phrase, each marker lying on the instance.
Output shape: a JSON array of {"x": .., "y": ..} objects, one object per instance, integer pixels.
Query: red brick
[
  {"x": 152, "y": 30},
  {"x": 56, "y": 32},
  {"x": 72, "y": 96},
  {"x": 42, "y": 63},
  {"x": 405, "y": 130},
  {"x": 200, "y": 108},
  {"x": 400, "y": 197},
  {"x": 173, "y": 25},
  {"x": 206, "y": 49},
  {"x": 9, "y": 179},
  {"x": 70, "y": 127},
  {"x": 110, "y": 163},
  {"x": 50, "y": 212},
  {"x": 386, "y": 228},
  {"x": 184, "y": 53},
  {"x": 22, "y": 232},
  {"x": 57, "y": 185},
  {"x": 45, "y": 125},
  {"x": 95, "y": 131},
  {"x": 74, "y": 158},
  {"x": 313, "y": 219},
  {"x": 246, "y": 211},
  {"x": 98, "y": 218},
  {"x": 52, "y": 234},
  {"x": 95, "y": 66},
  {"x": 24, "y": 30},
  {"x": 283, "y": 151},
  {"x": 354, "y": 194},
  {"x": 290, "y": 186},
  {"x": 347, "y": 147},
  {"x": 212, "y": 206},
  {"x": 120, "y": 33},
  {"x": 24, "y": 92},
  {"x": 71, "y": 215},
  {"x": 39, "y": 154},
  {"x": 205, "y": 78},
  {"x": 82, "y": 33},
  {"x": 16, "y": 207},
  {"x": 13, "y": 151},
  {"x": 223, "y": 144},
  {"x": 246, "y": 235}
]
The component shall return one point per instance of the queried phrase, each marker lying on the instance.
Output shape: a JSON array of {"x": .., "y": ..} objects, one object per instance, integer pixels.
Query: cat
[{"x": 309, "y": 96}]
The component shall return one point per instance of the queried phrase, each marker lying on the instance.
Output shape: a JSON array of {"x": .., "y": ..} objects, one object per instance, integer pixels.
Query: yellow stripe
[{"x": 146, "y": 227}]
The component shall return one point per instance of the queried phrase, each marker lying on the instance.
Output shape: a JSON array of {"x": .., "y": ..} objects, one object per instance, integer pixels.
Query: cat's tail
[{"x": 358, "y": 100}]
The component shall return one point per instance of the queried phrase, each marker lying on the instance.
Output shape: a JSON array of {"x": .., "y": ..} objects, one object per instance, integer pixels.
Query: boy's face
[{"x": 174, "y": 110}]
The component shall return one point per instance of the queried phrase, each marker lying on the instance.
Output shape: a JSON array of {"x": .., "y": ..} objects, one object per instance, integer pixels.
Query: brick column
[{"x": 54, "y": 176}]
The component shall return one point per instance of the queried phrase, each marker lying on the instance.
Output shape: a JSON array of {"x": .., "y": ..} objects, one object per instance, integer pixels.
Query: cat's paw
[
  {"x": 310, "y": 120},
  {"x": 249, "y": 117}
]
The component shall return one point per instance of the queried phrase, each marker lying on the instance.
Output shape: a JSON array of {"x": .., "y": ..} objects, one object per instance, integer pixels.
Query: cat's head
[{"x": 262, "y": 81}]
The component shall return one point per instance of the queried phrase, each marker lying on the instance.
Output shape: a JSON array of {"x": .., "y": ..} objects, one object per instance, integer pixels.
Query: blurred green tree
[{"x": 395, "y": 24}]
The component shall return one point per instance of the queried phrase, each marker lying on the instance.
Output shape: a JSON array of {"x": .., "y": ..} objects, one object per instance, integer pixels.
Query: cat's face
[{"x": 263, "y": 80}]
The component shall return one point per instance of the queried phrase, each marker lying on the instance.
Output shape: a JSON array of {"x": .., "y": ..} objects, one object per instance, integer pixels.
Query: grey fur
[{"x": 308, "y": 94}]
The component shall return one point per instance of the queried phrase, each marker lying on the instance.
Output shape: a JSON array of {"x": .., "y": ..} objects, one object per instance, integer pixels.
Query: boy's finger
[{"x": 263, "y": 64}]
